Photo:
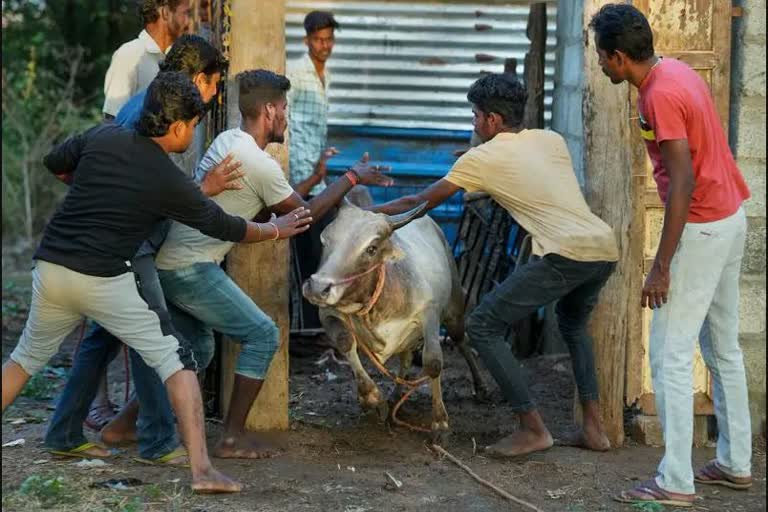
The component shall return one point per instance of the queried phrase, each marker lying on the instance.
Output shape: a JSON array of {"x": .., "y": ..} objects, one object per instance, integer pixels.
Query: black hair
[
  {"x": 148, "y": 9},
  {"x": 257, "y": 87},
  {"x": 318, "y": 20},
  {"x": 502, "y": 94},
  {"x": 192, "y": 54},
  {"x": 171, "y": 97},
  {"x": 624, "y": 28}
]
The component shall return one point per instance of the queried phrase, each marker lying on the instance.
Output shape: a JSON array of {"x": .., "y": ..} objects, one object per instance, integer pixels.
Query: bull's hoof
[{"x": 440, "y": 432}]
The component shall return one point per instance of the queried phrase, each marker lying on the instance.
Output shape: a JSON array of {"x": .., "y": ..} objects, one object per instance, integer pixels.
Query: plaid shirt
[{"x": 307, "y": 119}]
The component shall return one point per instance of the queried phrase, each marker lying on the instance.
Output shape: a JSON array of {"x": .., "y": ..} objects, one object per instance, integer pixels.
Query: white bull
[{"x": 388, "y": 282}]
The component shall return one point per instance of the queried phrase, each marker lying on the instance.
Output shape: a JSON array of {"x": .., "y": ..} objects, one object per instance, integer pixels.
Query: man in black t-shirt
[{"x": 123, "y": 184}]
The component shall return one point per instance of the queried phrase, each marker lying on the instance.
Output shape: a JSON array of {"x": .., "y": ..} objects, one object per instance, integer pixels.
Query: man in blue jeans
[
  {"x": 529, "y": 173},
  {"x": 158, "y": 439},
  {"x": 188, "y": 262}
]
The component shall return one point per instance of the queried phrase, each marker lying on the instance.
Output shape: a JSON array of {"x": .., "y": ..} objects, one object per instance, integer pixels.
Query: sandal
[
  {"x": 99, "y": 416},
  {"x": 80, "y": 451},
  {"x": 650, "y": 492},
  {"x": 167, "y": 459},
  {"x": 714, "y": 474}
]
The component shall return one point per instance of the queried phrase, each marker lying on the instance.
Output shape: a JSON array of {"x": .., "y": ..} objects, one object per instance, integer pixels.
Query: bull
[{"x": 388, "y": 283}]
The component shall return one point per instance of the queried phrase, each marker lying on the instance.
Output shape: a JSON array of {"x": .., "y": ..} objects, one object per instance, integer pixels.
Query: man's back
[
  {"x": 530, "y": 174},
  {"x": 123, "y": 184},
  {"x": 134, "y": 65},
  {"x": 264, "y": 185}
]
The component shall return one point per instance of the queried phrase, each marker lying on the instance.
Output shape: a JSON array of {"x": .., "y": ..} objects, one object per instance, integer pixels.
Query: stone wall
[
  {"x": 567, "y": 118},
  {"x": 747, "y": 137}
]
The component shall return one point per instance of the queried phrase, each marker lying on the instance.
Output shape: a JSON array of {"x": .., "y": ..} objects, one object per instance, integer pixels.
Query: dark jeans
[
  {"x": 576, "y": 285},
  {"x": 156, "y": 426}
]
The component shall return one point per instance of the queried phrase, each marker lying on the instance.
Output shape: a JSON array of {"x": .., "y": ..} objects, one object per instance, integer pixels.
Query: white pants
[
  {"x": 62, "y": 297},
  {"x": 703, "y": 302}
]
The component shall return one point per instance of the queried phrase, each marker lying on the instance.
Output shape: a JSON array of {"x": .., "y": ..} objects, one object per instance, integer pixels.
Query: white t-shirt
[
  {"x": 134, "y": 65},
  {"x": 264, "y": 185}
]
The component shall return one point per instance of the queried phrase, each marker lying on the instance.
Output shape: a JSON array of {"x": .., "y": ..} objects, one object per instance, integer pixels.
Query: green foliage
[
  {"x": 55, "y": 55},
  {"x": 50, "y": 492},
  {"x": 39, "y": 387},
  {"x": 648, "y": 507}
]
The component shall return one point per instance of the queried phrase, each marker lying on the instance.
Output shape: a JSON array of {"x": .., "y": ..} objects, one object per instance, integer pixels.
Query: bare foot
[
  {"x": 521, "y": 442},
  {"x": 99, "y": 415},
  {"x": 214, "y": 482},
  {"x": 244, "y": 446},
  {"x": 590, "y": 438},
  {"x": 117, "y": 433}
]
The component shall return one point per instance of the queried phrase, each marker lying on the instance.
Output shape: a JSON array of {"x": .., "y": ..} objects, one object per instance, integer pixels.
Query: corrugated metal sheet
[{"x": 409, "y": 65}]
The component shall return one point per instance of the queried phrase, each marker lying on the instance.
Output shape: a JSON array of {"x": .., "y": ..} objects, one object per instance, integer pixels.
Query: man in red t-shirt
[{"x": 693, "y": 285}]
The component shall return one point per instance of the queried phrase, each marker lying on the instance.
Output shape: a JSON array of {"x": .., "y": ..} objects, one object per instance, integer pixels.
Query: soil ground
[{"x": 335, "y": 459}]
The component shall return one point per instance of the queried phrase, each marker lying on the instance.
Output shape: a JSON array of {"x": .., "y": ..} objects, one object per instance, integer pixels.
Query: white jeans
[
  {"x": 62, "y": 297},
  {"x": 703, "y": 302}
]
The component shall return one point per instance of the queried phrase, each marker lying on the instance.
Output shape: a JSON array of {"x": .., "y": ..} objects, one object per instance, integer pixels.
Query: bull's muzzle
[{"x": 318, "y": 291}]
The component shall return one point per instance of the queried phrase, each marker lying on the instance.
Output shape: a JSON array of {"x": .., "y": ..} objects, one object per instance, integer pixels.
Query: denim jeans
[
  {"x": 156, "y": 424},
  {"x": 576, "y": 285},
  {"x": 205, "y": 292},
  {"x": 703, "y": 302}
]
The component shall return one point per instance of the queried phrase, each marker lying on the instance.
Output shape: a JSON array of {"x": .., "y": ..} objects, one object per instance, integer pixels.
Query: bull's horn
[{"x": 400, "y": 220}]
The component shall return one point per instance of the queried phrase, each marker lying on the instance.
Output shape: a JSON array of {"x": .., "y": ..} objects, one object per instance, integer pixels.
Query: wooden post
[
  {"x": 534, "y": 65},
  {"x": 261, "y": 270},
  {"x": 608, "y": 183}
]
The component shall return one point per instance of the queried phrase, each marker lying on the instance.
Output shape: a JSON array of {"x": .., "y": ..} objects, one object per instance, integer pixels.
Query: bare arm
[
  {"x": 676, "y": 156},
  {"x": 319, "y": 174},
  {"x": 433, "y": 195},
  {"x": 334, "y": 193},
  {"x": 278, "y": 228}
]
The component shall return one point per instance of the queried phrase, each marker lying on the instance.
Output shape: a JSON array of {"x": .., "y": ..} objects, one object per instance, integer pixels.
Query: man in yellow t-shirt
[{"x": 529, "y": 173}]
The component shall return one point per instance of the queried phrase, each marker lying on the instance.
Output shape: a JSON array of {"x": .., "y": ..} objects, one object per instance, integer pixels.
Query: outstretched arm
[{"x": 433, "y": 195}]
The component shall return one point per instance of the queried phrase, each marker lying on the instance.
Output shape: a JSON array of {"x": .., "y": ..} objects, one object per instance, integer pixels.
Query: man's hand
[
  {"x": 656, "y": 288},
  {"x": 223, "y": 177},
  {"x": 293, "y": 223},
  {"x": 371, "y": 174},
  {"x": 321, "y": 168}
]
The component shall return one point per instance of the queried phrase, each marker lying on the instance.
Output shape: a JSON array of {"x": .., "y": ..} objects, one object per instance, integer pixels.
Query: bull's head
[{"x": 354, "y": 244}]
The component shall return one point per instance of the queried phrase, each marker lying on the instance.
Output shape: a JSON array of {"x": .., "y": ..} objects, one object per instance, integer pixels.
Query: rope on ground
[{"x": 500, "y": 492}]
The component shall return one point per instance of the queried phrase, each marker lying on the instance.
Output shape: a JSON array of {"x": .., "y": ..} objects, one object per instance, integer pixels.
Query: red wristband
[{"x": 352, "y": 177}]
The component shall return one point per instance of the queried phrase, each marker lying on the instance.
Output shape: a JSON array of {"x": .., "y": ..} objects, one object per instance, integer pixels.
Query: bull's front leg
[
  {"x": 368, "y": 393},
  {"x": 432, "y": 363}
]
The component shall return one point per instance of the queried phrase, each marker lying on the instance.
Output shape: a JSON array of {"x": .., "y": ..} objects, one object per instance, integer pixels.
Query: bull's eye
[{"x": 371, "y": 250}]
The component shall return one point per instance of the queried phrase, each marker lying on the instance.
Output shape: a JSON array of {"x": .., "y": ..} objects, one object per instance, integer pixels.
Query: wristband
[
  {"x": 277, "y": 231},
  {"x": 352, "y": 176}
]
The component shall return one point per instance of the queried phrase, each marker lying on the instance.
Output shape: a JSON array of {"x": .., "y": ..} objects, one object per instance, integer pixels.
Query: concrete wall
[
  {"x": 567, "y": 118},
  {"x": 747, "y": 134}
]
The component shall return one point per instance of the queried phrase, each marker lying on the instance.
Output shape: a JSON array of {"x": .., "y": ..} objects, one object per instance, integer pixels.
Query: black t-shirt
[{"x": 123, "y": 185}]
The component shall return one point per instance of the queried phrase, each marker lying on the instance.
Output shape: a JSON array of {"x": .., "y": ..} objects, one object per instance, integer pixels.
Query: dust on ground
[{"x": 335, "y": 459}]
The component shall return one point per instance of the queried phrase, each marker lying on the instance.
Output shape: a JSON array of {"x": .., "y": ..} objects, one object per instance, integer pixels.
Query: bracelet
[
  {"x": 277, "y": 231},
  {"x": 352, "y": 176},
  {"x": 258, "y": 226}
]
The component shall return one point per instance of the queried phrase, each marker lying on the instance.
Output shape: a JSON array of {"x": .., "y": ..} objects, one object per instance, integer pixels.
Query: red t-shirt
[{"x": 675, "y": 103}]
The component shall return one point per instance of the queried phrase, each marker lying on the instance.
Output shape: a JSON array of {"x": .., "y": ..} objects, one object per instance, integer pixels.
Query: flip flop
[
  {"x": 650, "y": 492},
  {"x": 79, "y": 452},
  {"x": 713, "y": 474},
  {"x": 166, "y": 459}
]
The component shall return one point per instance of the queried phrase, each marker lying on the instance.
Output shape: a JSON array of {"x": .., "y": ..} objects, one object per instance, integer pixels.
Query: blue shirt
[{"x": 131, "y": 112}]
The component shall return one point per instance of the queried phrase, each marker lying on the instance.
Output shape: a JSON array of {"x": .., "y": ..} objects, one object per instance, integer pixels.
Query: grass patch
[{"x": 39, "y": 387}]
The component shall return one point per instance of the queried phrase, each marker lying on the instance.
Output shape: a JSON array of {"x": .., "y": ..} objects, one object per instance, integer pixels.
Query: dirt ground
[{"x": 335, "y": 459}]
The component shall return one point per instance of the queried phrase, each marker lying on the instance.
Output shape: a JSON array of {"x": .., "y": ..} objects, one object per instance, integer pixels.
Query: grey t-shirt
[{"x": 264, "y": 185}]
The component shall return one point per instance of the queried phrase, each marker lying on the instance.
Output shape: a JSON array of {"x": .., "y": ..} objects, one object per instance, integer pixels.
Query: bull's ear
[{"x": 398, "y": 221}]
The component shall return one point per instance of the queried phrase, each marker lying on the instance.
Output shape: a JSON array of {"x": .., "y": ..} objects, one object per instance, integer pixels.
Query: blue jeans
[
  {"x": 205, "y": 292},
  {"x": 575, "y": 285},
  {"x": 156, "y": 426}
]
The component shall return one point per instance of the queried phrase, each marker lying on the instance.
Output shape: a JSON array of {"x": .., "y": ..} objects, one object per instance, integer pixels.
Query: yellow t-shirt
[{"x": 530, "y": 174}]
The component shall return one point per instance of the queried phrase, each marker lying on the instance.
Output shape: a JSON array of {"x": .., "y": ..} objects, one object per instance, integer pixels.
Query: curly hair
[
  {"x": 318, "y": 20},
  {"x": 501, "y": 94},
  {"x": 192, "y": 54},
  {"x": 171, "y": 97},
  {"x": 257, "y": 87},
  {"x": 624, "y": 28},
  {"x": 148, "y": 9}
]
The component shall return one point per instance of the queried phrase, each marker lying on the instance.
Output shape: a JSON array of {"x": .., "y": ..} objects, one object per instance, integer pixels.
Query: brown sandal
[
  {"x": 650, "y": 492},
  {"x": 713, "y": 474}
]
